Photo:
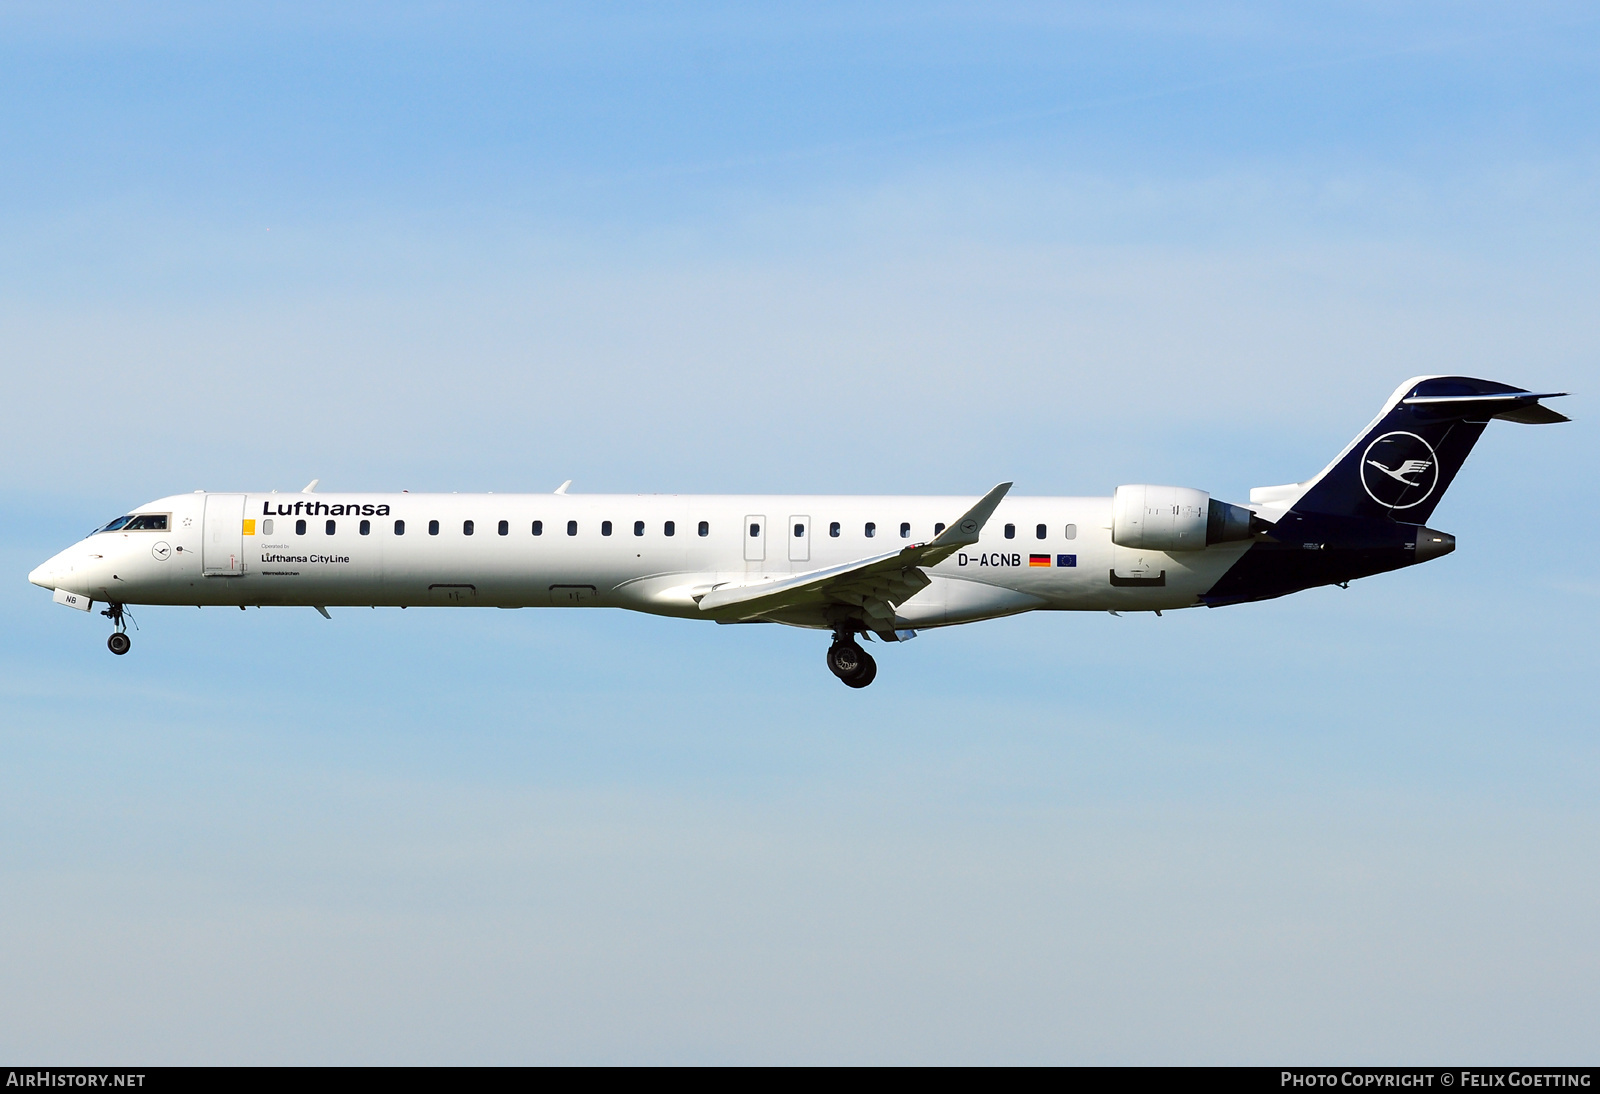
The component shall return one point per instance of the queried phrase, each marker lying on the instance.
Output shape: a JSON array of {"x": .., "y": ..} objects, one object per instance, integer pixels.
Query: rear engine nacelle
[{"x": 1174, "y": 518}]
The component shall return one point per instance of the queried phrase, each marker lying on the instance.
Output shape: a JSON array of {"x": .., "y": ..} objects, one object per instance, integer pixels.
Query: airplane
[{"x": 857, "y": 567}]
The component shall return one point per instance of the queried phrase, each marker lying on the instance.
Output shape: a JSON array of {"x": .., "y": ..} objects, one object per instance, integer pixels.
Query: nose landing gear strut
[
  {"x": 119, "y": 643},
  {"x": 849, "y": 662}
]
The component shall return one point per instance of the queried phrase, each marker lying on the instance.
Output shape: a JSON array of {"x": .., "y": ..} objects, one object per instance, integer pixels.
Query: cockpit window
[
  {"x": 146, "y": 522},
  {"x": 114, "y": 525}
]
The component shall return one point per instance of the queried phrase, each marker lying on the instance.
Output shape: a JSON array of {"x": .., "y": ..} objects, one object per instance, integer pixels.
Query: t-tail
[{"x": 1365, "y": 513}]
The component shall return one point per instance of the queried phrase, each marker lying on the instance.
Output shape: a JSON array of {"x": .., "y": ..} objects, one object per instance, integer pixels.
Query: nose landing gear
[
  {"x": 119, "y": 643},
  {"x": 850, "y": 663}
]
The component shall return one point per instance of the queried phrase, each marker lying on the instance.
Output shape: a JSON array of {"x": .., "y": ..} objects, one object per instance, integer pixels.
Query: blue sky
[{"x": 810, "y": 248}]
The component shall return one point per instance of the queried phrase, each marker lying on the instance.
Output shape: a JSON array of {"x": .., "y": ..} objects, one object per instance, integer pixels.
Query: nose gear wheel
[{"x": 119, "y": 643}]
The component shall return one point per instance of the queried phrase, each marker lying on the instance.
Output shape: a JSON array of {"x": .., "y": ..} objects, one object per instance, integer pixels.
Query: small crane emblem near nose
[{"x": 160, "y": 551}]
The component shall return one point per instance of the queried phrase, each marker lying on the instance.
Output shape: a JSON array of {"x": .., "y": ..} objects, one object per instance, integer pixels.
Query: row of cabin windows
[
  {"x": 668, "y": 528},
  {"x": 1040, "y": 531}
]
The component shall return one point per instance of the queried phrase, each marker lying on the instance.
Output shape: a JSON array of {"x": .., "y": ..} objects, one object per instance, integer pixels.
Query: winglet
[
  {"x": 311, "y": 487},
  {"x": 562, "y": 489},
  {"x": 969, "y": 526}
]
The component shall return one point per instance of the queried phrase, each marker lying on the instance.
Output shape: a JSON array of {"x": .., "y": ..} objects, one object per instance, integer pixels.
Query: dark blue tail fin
[
  {"x": 1402, "y": 464},
  {"x": 1364, "y": 514}
]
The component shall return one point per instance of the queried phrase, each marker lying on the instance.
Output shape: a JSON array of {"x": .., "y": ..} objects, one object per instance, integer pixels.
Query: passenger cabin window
[
  {"x": 466, "y": 527},
  {"x": 905, "y": 529},
  {"x": 299, "y": 527},
  {"x": 1038, "y": 532},
  {"x": 871, "y": 529},
  {"x": 433, "y": 527},
  {"x": 538, "y": 527},
  {"x": 638, "y": 527},
  {"x": 327, "y": 529},
  {"x": 1011, "y": 531},
  {"x": 705, "y": 528},
  {"x": 504, "y": 528},
  {"x": 366, "y": 527},
  {"x": 938, "y": 528},
  {"x": 833, "y": 529},
  {"x": 399, "y": 527},
  {"x": 572, "y": 527},
  {"x": 1072, "y": 531},
  {"x": 670, "y": 528},
  {"x": 266, "y": 527},
  {"x": 605, "y": 528}
]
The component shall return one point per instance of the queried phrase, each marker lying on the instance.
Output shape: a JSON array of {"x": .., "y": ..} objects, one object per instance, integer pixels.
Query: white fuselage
[{"x": 311, "y": 549}]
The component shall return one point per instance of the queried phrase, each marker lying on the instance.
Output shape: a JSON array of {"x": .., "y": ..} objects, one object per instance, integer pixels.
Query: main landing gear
[
  {"x": 119, "y": 643},
  {"x": 849, "y": 662}
]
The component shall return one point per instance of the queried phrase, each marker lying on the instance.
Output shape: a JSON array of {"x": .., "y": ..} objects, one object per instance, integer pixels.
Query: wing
[
  {"x": 865, "y": 591},
  {"x": 1411, "y": 467}
]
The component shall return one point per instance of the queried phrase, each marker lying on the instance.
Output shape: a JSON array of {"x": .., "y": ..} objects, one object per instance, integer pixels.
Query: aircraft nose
[{"x": 56, "y": 570}]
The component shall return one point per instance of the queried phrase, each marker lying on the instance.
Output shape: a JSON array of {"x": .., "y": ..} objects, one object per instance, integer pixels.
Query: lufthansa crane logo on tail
[{"x": 1399, "y": 470}]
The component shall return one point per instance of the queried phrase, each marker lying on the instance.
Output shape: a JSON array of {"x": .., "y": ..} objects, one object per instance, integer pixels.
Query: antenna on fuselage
[
  {"x": 311, "y": 487},
  {"x": 562, "y": 489}
]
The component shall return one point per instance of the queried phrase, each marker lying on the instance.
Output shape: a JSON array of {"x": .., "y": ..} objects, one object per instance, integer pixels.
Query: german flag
[{"x": 1038, "y": 560}]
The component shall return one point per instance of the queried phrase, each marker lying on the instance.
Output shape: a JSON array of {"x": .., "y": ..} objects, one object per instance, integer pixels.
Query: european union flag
[{"x": 1066, "y": 560}]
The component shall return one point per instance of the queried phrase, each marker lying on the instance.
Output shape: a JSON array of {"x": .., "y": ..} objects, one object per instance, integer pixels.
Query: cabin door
[{"x": 222, "y": 535}]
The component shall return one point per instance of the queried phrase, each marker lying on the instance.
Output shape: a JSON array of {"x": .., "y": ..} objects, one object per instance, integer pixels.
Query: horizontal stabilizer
[
  {"x": 1509, "y": 406},
  {"x": 1532, "y": 414}
]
